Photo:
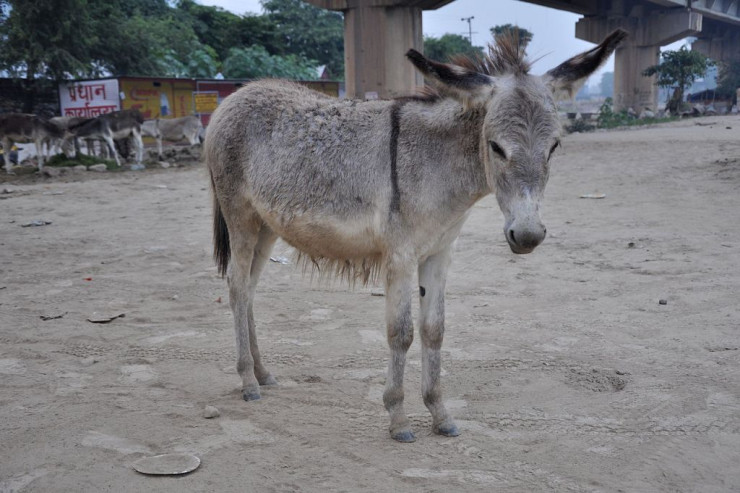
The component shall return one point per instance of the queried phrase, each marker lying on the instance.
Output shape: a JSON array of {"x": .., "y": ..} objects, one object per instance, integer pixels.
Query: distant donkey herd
[{"x": 64, "y": 133}]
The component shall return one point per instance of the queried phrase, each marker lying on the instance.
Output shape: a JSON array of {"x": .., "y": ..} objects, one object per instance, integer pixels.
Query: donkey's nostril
[{"x": 511, "y": 236}]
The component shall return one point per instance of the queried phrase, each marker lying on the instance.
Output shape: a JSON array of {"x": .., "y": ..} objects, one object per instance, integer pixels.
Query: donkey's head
[{"x": 520, "y": 125}]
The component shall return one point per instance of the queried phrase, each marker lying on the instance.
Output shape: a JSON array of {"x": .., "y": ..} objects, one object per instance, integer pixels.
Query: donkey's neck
[{"x": 446, "y": 138}]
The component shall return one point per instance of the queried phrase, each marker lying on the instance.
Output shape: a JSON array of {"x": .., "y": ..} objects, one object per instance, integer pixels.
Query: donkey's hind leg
[
  {"x": 243, "y": 237},
  {"x": 265, "y": 242}
]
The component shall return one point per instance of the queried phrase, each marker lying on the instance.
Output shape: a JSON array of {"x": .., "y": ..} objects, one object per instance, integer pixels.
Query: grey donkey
[{"x": 381, "y": 189}]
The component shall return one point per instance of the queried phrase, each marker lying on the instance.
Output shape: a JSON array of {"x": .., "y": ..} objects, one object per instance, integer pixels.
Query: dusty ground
[{"x": 563, "y": 370}]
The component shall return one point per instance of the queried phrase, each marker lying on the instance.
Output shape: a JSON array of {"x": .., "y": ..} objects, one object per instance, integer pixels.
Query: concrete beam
[
  {"x": 654, "y": 29},
  {"x": 723, "y": 48},
  {"x": 352, "y": 4}
]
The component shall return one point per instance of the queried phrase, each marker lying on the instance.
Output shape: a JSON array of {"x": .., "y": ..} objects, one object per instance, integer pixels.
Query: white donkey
[
  {"x": 384, "y": 187},
  {"x": 175, "y": 129}
]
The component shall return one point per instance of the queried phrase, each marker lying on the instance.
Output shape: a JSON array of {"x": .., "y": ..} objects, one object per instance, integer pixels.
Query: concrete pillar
[
  {"x": 631, "y": 88},
  {"x": 377, "y": 35},
  {"x": 375, "y": 42},
  {"x": 648, "y": 32}
]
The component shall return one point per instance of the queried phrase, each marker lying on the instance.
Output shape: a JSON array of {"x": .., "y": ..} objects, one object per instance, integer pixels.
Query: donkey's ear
[
  {"x": 567, "y": 78},
  {"x": 460, "y": 82}
]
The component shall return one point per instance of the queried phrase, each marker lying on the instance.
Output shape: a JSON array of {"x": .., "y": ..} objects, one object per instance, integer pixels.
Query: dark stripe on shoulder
[{"x": 395, "y": 131}]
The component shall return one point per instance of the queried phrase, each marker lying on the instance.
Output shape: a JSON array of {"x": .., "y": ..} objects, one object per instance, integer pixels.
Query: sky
[{"x": 554, "y": 38}]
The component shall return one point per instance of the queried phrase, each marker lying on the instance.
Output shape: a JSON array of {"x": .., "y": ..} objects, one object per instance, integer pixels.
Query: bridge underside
[
  {"x": 652, "y": 24},
  {"x": 377, "y": 33}
]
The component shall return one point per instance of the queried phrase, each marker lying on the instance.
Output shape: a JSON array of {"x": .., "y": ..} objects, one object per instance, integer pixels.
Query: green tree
[
  {"x": 525, "y": 36},
  {"x": 214, "y": 26},
  {"x": 441, "y": 49},
  {"x": 255, "y": 62},
  {"x": 607, "y": 84},
  {"x": 45, "y": 40},
  {"x": 308, "y": 32},
  {"x": 678, "y": 70}
]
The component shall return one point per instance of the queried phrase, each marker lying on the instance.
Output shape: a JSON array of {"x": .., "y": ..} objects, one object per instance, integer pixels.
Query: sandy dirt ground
[{"x": 561, "y": 367}]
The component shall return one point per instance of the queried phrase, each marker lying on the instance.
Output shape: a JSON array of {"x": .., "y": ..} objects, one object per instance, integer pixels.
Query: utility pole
[{"x": 470, "y": 27}]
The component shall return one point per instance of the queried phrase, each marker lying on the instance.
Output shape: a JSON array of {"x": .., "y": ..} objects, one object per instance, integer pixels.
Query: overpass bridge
[{"x": 377, "y": 33}]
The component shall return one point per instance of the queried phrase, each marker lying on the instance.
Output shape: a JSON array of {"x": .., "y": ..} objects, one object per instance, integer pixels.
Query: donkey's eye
[
  {"x": 497, "y": 149},
  {"x": 552, "y": 149}
]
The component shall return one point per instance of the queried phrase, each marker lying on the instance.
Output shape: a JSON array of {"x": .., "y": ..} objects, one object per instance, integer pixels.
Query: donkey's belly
[{"x": 331, "y": 238}]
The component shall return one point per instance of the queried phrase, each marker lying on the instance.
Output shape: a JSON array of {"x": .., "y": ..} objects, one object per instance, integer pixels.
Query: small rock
[
  {"x": 89, "y": 361},
  {"x": 663, "y": 302},
  {"x": 377, "y": 292},
  {"x": 51, "y": 172},
  {"x": 728, "y": 128},
  {"x": 80, "y": 167},
  {"x": 164, "y": 164},
  {"x": 137, "y": 167},
  {"x": 175, "y": 297},
  {"x": 211, "y": 412},
  {"x": 631, "y": 244},
  {"x": 98, "y": 167}
]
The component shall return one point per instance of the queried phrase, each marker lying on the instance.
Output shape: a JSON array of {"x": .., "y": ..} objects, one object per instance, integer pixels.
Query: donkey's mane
[{"x": 506, "y": 56}]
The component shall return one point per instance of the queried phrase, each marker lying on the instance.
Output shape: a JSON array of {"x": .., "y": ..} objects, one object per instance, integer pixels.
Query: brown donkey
[{"x": 383, "y": 188}]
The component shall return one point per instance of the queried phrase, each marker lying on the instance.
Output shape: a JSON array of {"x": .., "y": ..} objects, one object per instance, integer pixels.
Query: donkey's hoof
[
  {"x": 267, "y": 381},
  {"x": 404, "y": 436},
  {"x": 251, "y": 394},
  {"x": 447, "y": 428}
]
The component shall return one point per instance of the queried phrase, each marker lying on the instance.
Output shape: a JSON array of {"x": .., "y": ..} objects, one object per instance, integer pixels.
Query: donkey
[
  {"x": 382, "y": 189},
  {"x": 116, "y": 125},
  {"x": 186, "y": 127},
  {"x": 22, "y": 127}
]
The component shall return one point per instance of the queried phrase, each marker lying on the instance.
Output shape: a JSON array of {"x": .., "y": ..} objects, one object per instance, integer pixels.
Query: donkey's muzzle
[{"x": 524, "y": 240}]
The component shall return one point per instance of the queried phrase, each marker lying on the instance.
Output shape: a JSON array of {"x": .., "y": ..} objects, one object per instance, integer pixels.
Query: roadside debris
[
  {"x": 280, "y": 260},
  {"x": 51, "y": 317},
  {"x": 38, "y": 222},
  {"x": 211, "y": 412},
  {"x": 104, "y": 319},
  {"x": 167, "y": 464}
]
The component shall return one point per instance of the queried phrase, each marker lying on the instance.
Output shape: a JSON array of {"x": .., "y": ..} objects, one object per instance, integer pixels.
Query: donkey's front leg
[
  {"x": 398, "y": 294},
  {"x": 432, "y": 278}
]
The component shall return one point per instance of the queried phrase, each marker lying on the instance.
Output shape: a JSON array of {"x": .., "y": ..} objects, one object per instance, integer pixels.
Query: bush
[
  {"x": 61, "y": 160},
  {"x": 579, "y": 125},
  {"x": 608, "y": 118}
]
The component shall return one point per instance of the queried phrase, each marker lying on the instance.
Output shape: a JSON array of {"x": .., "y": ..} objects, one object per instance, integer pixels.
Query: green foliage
[
  {"x": 61, "y": 160},
  {"x": 525, "y": 36},
  {"x": 678, "y": 70},
  {"x": 308, "y": 32},
  {"x": 61, "y": 39},
  {"x": 608, "y": 118},
  {"x": 255, "y": 62},
  {"x": 579, "y": 125},
  {"x": 46, "y": 38},
  {"x": 441, "y": 49}
]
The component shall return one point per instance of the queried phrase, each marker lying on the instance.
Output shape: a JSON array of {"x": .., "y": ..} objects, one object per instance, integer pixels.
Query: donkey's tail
[{"x": 221, "y": 247}]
